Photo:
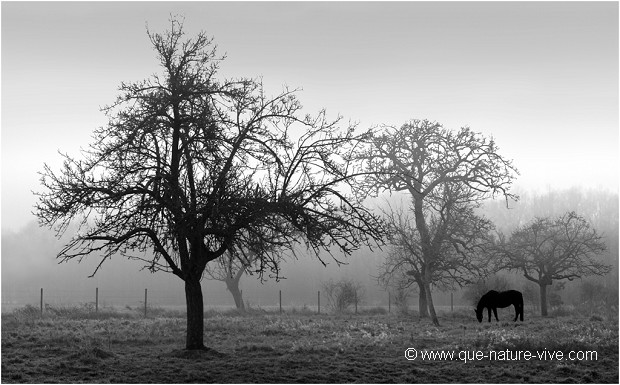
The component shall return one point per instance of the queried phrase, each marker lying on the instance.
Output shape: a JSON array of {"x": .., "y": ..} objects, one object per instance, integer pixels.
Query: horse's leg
[
  {"x": 495, "y": 312},
  {"x": 516, "y": 312},
  {"x": 521, "y": 311},
  {"x": 489, "y": 314}
]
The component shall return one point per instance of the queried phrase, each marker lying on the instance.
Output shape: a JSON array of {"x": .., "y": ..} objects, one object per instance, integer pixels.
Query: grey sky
[{"x": 542, "y": 78}]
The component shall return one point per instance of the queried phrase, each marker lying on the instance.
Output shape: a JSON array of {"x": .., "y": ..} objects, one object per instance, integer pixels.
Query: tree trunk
[
  {"x": 233, "y": 286},
  {"x": 194, "y": 339},
  {"x": 431, "y": 307},
  {"x": 422, "y": 304},
  {"x": 543, "y": 300}
]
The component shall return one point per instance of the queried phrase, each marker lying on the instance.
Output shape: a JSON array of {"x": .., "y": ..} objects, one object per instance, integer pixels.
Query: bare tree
[
  {"x": 343, "y": 294},
  {"x": 190, "y": 166},
  {"x": 427, "y": 160},
  {"x": 229, "y": 268},
  {"x": 555, "y": 249},
  {"x": 403, "y": 268},
  {"x": 462, "y": 239}
]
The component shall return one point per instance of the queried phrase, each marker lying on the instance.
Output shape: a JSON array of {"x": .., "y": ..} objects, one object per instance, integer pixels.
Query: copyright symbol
[{"x": 411, "y": 354}]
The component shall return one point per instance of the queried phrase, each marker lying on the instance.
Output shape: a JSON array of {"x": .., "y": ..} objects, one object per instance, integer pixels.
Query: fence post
[
  {"x": 96, "y": 300},
  {"x": 41, "y": 302},
  {"x": 145, "y": 292},
  {"x": 280, "y": 301},
  {"x": 451, "y": 303},
  {"x": 318, "y": 297}
]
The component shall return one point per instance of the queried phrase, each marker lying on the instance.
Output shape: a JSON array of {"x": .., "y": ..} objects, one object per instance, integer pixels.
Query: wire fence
[
  {"x": 99, "y": 298},
  {"x": 146, "y": 300}
]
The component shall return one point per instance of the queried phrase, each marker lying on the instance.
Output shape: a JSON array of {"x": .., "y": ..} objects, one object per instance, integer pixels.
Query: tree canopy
[
  {"x": 446, "y": 175},
  {"x": 549, "y": 249},
  {"x": 190, "y": 165}
]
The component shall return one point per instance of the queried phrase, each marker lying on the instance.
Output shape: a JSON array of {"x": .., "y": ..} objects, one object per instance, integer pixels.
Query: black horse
[{"x": 493, "y": 299}]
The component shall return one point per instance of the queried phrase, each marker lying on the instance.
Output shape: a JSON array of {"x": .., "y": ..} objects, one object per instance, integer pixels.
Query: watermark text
[{"x": 500, "y": 355}]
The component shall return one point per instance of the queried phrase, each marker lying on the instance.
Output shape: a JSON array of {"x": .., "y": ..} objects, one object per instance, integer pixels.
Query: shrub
[
  {"x": 595, "y": 296},
  {"x": 554, "y": 300},
  {"x": 343, "y": 294}
]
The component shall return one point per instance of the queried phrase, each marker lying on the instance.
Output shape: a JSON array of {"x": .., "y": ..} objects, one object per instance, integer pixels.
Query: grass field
[{"x": 74, "y": 345}]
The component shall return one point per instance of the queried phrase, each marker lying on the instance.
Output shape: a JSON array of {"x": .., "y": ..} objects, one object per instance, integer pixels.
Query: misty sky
[{"x": 541, "y": 78}]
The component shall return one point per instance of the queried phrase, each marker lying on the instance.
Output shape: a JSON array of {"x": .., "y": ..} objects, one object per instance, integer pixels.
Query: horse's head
[{"x": 479, "y": 314}]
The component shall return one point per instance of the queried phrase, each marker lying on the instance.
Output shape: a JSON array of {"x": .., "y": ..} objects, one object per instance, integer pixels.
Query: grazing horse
[{"x": 493, "y": 299}]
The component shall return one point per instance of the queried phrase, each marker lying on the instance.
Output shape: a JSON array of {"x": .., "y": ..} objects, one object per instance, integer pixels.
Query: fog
[{"x": 29, "y": 264}]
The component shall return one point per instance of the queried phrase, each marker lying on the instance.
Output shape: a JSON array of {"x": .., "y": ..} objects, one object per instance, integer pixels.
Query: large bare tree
[
  {"x": 462, "y": 238},
  {"x": 190, "y": 166},
  {"x": 426, "y": 160},
  {"x": 548, "y": 249}
]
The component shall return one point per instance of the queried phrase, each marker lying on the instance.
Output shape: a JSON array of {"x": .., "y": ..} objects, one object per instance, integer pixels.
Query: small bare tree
[
  {"x": 343, "y": 294},
  {"x": 555, "y": 249},
  {"x": 229, "y": 269}
]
